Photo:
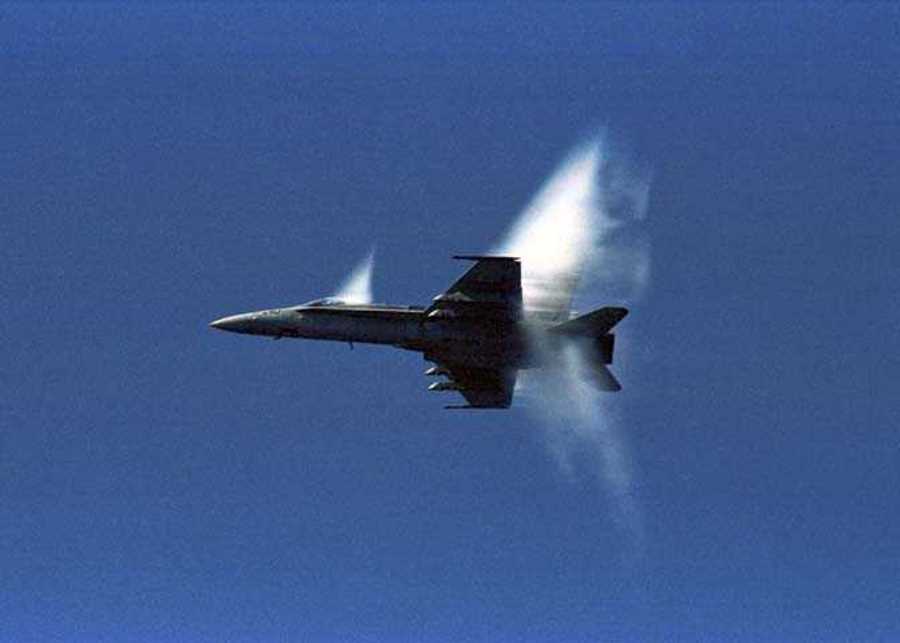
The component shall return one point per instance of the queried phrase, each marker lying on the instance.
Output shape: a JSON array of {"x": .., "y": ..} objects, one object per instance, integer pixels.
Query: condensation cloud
[
  {"x": 583, "y": 228},
  {"x": 357, "y": 288}
]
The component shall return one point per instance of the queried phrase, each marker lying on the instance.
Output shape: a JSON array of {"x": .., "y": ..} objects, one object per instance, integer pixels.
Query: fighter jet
[{"x": 478, "y": 334}]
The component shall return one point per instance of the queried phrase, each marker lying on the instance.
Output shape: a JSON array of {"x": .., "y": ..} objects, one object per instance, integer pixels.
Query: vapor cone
[
  {"x": 357, "y": 288},
  {"x": 581, "y": 230}
]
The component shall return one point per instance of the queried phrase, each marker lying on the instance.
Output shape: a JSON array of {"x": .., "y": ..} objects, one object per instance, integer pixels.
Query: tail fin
[
  {"x": 595, "y": 324},
  {"x": 593, "y": 329}
]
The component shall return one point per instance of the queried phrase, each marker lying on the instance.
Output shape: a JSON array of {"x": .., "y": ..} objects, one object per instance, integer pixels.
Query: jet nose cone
[{"x": 234, "y": 323}]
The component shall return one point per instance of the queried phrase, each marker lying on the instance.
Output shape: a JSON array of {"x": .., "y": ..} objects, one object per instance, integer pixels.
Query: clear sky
[{"x": 165, "y": 165}]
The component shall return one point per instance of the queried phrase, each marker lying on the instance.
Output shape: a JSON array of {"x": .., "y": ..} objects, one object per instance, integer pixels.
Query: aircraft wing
[
  {"x": 483, "y": 388},
  {"x": 491, "y": 288}
]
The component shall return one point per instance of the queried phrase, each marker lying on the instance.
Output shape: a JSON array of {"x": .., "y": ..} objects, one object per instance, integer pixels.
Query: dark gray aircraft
[{"x": 477, "y": 333}]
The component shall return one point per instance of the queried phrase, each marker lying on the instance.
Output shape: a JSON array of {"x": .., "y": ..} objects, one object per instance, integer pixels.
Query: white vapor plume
[
  {"x": 583, "y": 228},
  {"x": 357, "y": 288},
  {"x": 555, "y": 234}
]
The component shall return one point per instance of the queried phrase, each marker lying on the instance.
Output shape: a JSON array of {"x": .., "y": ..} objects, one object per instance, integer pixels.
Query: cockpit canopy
[{"x": 326, "y": 301}]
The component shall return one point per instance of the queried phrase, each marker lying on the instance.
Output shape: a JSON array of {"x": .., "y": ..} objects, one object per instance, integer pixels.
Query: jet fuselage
[{"x": 473, "y": 340}]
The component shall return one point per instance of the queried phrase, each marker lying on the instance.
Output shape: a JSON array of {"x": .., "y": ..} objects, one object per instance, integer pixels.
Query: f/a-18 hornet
[{"x": 478, "y": 334}]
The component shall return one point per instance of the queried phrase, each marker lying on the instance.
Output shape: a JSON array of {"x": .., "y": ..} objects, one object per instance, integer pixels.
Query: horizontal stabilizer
[
  {"x": 593, "y": 324},
  {"x": 602, "y": 378}
]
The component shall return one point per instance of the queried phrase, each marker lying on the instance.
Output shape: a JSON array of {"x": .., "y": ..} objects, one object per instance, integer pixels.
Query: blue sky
[{"x": 164, "y": 165}]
